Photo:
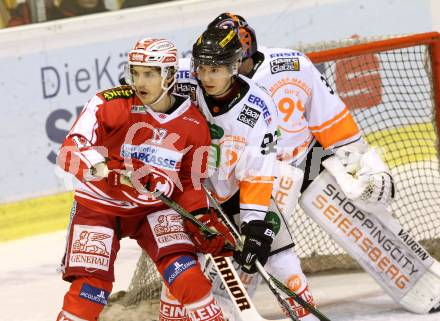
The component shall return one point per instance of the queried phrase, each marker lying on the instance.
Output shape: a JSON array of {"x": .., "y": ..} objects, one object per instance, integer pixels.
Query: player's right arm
[
  {"x": 369, "y": 179},
  {"x": 192, "y": 197},
  {"x": 329, "y": 119},
  {"x": 82, "y": 149}
]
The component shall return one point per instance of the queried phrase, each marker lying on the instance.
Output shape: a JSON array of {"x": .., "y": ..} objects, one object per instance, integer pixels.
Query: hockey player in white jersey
[
  {"x": 315, "y": 124},
  {"x": 243, "y": 122}
]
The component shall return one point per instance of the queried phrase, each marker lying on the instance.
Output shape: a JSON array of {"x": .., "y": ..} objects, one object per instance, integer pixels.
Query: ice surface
[{"x": 32, "y": 290}]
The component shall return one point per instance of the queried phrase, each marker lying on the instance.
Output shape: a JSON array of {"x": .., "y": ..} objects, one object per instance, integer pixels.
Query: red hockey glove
[{"x": 212, "y": 245}]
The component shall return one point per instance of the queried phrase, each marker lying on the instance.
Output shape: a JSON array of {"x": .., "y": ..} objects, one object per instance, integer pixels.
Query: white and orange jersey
[
  {"x": 115, "y": 127},
  {"x": 243, "y": 147},
  {"x": 308, "y": 109}
]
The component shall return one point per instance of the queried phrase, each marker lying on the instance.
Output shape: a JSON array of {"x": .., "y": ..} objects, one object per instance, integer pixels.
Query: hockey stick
[
  {"x": 268, "y": 278},
  {"x": 223, "y": 267},
  {"x": 295, "y": 296},
  {"x": 180, "y": 210}
]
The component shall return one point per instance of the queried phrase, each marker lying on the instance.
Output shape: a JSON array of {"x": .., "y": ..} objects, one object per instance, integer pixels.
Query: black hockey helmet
[
  {"x": 245, "y": 32},
  {"x": 217, "y": 47}
]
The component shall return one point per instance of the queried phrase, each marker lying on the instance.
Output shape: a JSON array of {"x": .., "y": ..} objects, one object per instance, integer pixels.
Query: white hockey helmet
[{"x": 152, "y": 52}]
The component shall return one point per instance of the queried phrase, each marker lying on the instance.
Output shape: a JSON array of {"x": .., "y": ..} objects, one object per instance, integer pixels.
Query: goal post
[{"x": 392, "y": 87}]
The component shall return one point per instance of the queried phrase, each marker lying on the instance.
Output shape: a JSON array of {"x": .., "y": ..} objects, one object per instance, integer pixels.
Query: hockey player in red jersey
[{"x": 129, "y": 141}]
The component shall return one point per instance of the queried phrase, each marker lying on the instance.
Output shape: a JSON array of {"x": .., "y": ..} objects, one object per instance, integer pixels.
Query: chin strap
[{"x": 165, "y": 89}]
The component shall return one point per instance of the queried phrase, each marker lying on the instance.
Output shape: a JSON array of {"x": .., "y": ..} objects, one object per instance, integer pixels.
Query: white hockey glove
[
  {"x": 362, "y": 175},
  {"x": 114, "y": 177},
  {"x": 100, "y": 170}
]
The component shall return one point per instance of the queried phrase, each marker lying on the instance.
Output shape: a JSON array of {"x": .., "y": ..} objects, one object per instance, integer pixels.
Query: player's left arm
[
  {"x": 255, "y": 171},
  {"x": 192, "y": 197},
  {"x": 362, "y": 175},
  {"x": 329, "y": 119}
]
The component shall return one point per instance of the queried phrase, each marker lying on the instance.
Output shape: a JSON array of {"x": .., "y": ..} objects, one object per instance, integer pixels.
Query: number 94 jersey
[
  {"x": 308, "y": 108},
  {"x": 243, "y": 151}
]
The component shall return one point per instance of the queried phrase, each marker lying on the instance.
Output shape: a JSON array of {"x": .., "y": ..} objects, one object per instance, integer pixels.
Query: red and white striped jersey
[{"x": 116, "y": 127}]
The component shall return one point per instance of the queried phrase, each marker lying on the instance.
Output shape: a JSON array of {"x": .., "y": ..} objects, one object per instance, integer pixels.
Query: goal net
[{"x": 392, "y": 87}]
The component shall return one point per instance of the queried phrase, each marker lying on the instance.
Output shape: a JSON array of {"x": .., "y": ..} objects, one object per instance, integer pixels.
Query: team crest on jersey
[
  {"x": 91, "y": 247},
  {"x": 168, "y": 229},
  {"x": 158, "y": 181},
  {"x": 284, "y": 64},
  {"x": 216, "y": 131},
  {"x": 159, "y": 135},
  {"x": 248, "y": 115},
  {"x": 120, "y": 92},
  {"x": 274, "y": 219}
]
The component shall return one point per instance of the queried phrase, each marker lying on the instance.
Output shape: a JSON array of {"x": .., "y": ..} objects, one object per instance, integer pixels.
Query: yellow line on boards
[{"x": 34, "y": 216}]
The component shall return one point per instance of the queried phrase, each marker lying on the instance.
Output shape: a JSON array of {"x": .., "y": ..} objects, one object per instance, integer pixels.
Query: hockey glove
[
  {"x": 118, "y": 177},
  {"x": 142, "y": 177},
  {"x": 362, "y": 175},
  {"x": 212, "y": 245},
  {"x": 259, "y": 236},
  {"x": 135, "y": 175},
  {"x": 111, "y": 171}
]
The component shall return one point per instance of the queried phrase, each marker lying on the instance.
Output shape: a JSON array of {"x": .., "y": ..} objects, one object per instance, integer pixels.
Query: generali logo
[
  {"x": 168, "y": 224},
  {"x": 91, "y": 247},
  {"x": 91, "y": 242},
  {"x": 168, "y": 229}
]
